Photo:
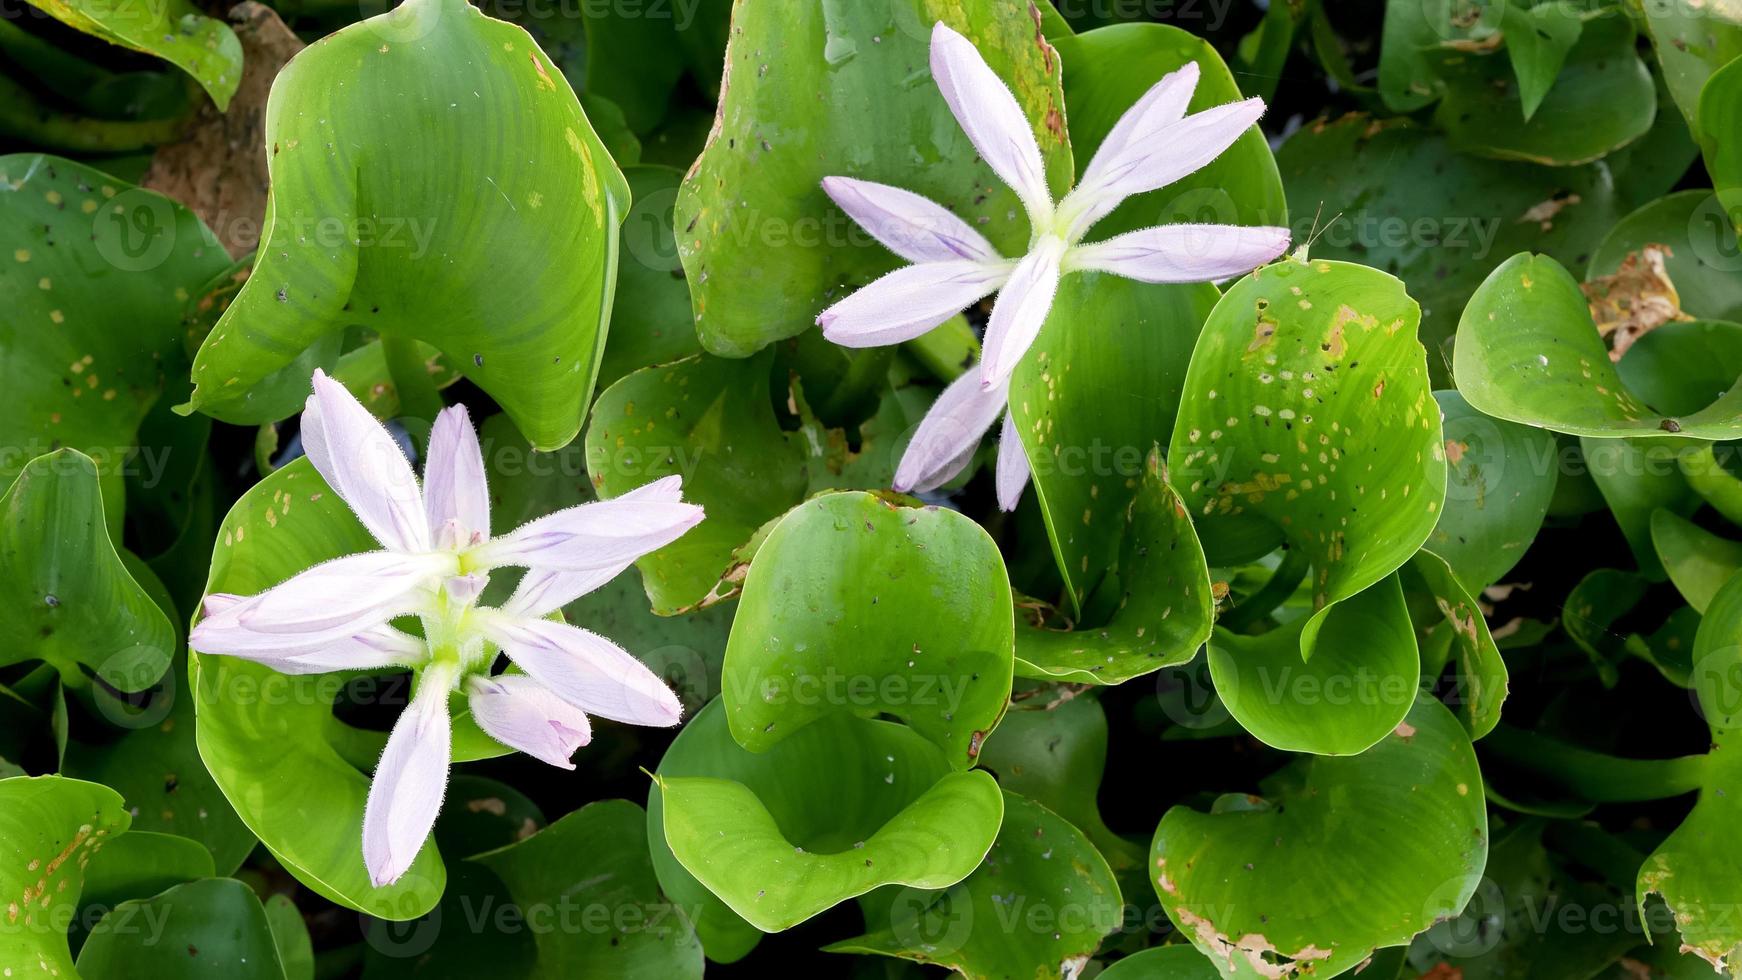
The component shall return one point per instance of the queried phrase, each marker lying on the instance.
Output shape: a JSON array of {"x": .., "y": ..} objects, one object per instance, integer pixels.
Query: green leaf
[
  {"x": 383, "y": 217},
  {"x": 1537, "y": 41},
  {"x": 1712, "y": 473},
  {"x": 856, "y": 604},
  {"x": 290, "y": 937},
  {"x": 1356, "y": 688},
  {"x": 271, "y": 740},
  {"x": 1694, "y": 871},
  {"x": 1087, "y": 451},
  {"x": 1529, "y": 352},
  {"x": 139, "y": 864},
  {"x": 1307, "y": 417},
  {"x": 97, "y": 273},
  {"x": 711, "y": 421},
  {"x": 175, "y": 31},
  {"x": 1502, "y": 477},
  {"x": 1441, "y": 236},
  {"x": 596, "y": 859},
  {"x": 213, "y": 928},
  {"x": 1038, "y": 905},
  {"x": 1166, "y": 603},
  {"x": 817, "y": 90},
  {"x": 1638, "y": 477},
  {"x": 650, "y": 320},
  {"x": 1602, "y": 100},
  {"x": 50, "y": 829},
  {"x": 1177, "y": 962},
  {"x": 1692, "y": 41},
  {"x": 1720, "y": 116},
  {"x": 1417, "y": 35},
  {"x": 1698, "y": 561},
  {"x": 1700, "y": 255},
  {"x": 1479, "y": 682},
  {"x": 68, "y": 596},
  {"x": 1108, "y": 69},
  {"x": 841, "y": 807},
  {"x": 1366, "y": 852}
]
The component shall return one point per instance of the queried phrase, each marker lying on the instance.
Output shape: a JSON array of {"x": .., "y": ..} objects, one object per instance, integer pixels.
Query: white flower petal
[
  {"x": 1177, "y": 150},
  {"x": 1012, "y": 465},
  {"x": 410, "y": 781},
  {"x": 586, "y": 670},
  {"x": 330, "y": 602},
  {"x": 990, "y": 115},
  {"x": 909, "y": 301},
  {"x": 542, "y": 592},
  {"x": 1182, "y": 253},
  {"x": 364, "y": 466},
  {"x": 911, "y": 226},
  {"x": 454, "y": 485},
  {"x": 1021, "y": 310},
  {"x": 603, "y": 534},
  {"x": 945, "y": 440},
  {"x": 373, "y": 649},
  {"x": 521, "y": 714},
  {"x": 1162, "y": 106}
]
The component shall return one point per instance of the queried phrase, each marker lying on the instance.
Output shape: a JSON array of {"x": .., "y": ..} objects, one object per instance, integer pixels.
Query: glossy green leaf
[
  {"x": 815, "y": 90},
  {"x": 709, "y": 420},
  {"x": 1479, "y": 682},
  {"x": 380, "y": 220},
  {"x": 1355, "y": 689},
  {"x": 1528, "y": 352},
  {"x": 1166, "y": 603},
  {"x": 1442, "y": 235},
  {"x": 1720, "y": 116},
  {"x": 841, "y": 807},
  {"x": 1373, "y": 849},
  {"x": 1176, "y": 962},
  {"x": 1637, "y": 478},
  {"x": 97, "y": 274},
  {"x": 1698, "y": 561},
  {"x": 1417, "y": 35},
  {"x": 595, "y": 860},
  {"x": 1054, "y": 754},
  {"x": 175, "y": 30},
  {"x": 1087, "y": 451},
  {"x": 1603, "y": 97},
  {"x": 1307, "y": 413},
  {"x": 213, "y": 928},
  {"x": 1106, "y": 70},
  {"x": 1038, "y": 905},
  {"x": 857, "y": 604},
  {"x": 68, "y": 596},
  {"x": 1692, "y": 40},
  {"x": 650, "y": 320},
  {"x": 290, "y": 937},
  {"x": 1538, "y": 39},
  {"x": 1711, "y": 472},
  {"x": 139, "y": 864},
  {"x": 50, "y": 829},
  {"x": 1694, "y": 870},
  {"x": 271, "y": 740},
  {"x": 1501, "y": 479}
]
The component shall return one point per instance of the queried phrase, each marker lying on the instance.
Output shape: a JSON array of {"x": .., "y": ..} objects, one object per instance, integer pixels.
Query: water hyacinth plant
[{"x": 492, "y": 486}]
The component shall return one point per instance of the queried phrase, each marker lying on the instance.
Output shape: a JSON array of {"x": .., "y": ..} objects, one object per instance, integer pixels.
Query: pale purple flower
[
  {"x": 1154, "y": 144},
  {"x": 436, "y": 559}
]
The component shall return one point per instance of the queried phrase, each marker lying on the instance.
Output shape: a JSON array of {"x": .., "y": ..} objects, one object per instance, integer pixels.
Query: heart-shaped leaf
[
  {"x": 383, "y": 217},
  {"x": 213, "y": 925},
  {"x": 1440, "y": 236},
  {"x": 813, "y": 91},
  {"x": 596, "y": 858},
  {"x": 1366, "y": 852},
  {"x": 50, "y": 829},
  {"x": 842, "y": 806},
  {"x": 857, "y": 604},
  {"x": 174, "y": 30},
  {"x": 709, "y": 420},
  {"x": 271, "y": 740},
  {"x": 68, "y": 598},
  {"x": 1502, "y": 477},
  {"x": 1529, "y": 352},
  {"x": 1166, "y": 602},
  {"x": 1307, "y": 416},
  {"x": 1044, "y": 896},
  {"x": 1353, "y": 691},
  {"x": 97, "y": 275}
]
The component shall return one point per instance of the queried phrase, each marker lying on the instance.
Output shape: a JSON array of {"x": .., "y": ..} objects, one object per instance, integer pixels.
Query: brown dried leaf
[{"x": 1637, "y": 299}]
